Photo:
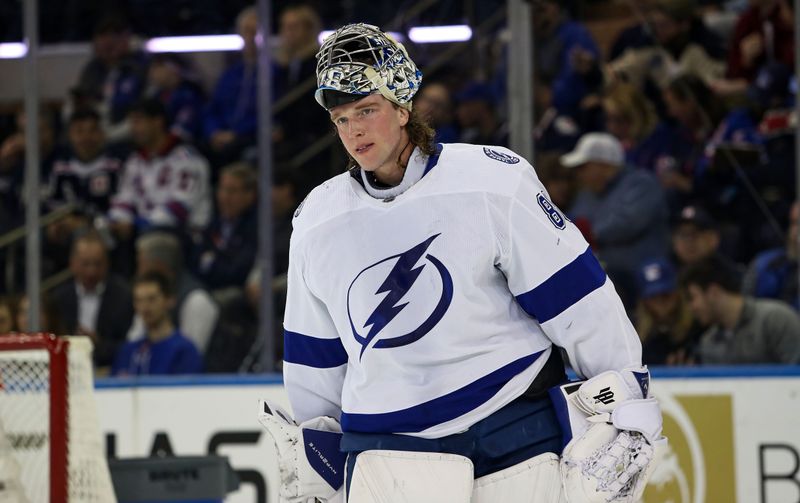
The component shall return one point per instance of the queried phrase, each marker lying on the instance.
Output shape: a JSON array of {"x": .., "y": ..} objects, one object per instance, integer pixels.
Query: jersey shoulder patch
[
  {"x": 500, "y": 156},
  {"x": 556, "y": 218}
]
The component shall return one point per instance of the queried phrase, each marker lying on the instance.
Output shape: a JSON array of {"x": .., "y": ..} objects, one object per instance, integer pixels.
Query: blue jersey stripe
[
  {"x": 313, "y": 351},
  {"x": 573, "y": 282},
  {"x": 439, "y": 410}
]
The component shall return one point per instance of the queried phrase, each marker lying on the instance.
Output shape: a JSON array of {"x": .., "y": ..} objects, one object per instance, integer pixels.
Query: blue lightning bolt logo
[{"x": 398, "y": 282}]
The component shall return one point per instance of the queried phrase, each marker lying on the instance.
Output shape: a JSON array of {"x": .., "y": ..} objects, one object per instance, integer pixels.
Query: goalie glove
[
  {"x": 615, "y": 429},
  {"x": 309, "y": 460}
]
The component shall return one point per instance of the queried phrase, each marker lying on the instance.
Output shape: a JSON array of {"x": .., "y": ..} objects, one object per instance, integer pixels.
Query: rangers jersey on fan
[
  {"x": 169, "y": 189},
  {"x": 425, "y": 312}
]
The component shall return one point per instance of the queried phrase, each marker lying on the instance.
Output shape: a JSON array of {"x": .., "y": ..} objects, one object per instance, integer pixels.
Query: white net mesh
[{"x": 25, "y": 402}]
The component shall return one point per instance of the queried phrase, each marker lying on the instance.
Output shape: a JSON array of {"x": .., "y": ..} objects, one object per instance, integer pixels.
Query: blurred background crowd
[{"x": 664, "y": 129}]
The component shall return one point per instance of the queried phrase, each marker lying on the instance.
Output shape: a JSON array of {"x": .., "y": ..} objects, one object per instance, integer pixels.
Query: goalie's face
[{"x": 372, "y": 130}]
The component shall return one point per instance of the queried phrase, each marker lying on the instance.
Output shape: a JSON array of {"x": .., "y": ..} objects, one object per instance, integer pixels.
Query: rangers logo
[
  {"x": 499, "y": 156},
  {"x": 378, "y": 296},
  {"x": 552, "y": 213}
]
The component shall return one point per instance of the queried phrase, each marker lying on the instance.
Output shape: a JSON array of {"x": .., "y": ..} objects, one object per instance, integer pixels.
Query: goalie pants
[{"x": 521, "y": 430}]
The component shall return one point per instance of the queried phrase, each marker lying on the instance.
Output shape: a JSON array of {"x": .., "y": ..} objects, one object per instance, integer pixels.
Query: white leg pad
[
  {"x": 413, "y": 477},
  {"x": 537, "y": 480}
]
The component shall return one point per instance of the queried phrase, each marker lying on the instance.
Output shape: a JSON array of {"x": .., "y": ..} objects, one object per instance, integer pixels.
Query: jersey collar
[{"x": 418, "y": 166}]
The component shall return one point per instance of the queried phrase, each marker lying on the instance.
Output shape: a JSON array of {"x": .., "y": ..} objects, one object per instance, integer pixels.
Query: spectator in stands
[
  {"x": 113, "y": 80},
  {"x": 696, "y": 111},
  {"x": 95, "y": 303},
  {"x": 12, "y": 177},
  {"x": 165, "y": 183},
  {"x": 566, "y": 57},
  {"x": 169, "y": 80},
  {"x": 696, "y": 237},
  {"x": 773, "y": 273},
  {"x": 772, "y": 92},
  {"x": 664, "y": 321},
  {"x": 12, "y": 164},
  {"x": 231, "y": 116},
  {"x": 284, "y": 204},
  {"x": 86, "y": 177},
  {"x": 632, "y": 119},
  {"x": 195, "y": 312},
  {"x": 681, "y": 44},
  {"x": 234, "y": 345},
  {"x": 764, "y": 34},
  {"x": 742, "y": 330},
  {"x": 622, "y": 209},
  {"x": 477, "y": 120},
  {"x": 227, "y": 252},
  {"x": 7, "y": 316},
  {"x": 299, "y": 27},
  {"x": 160, "y": 348},
  {"x": 299, "y": 122},
  {"x": 636, "y": 35},
  {"x": 434, "y": 103}
]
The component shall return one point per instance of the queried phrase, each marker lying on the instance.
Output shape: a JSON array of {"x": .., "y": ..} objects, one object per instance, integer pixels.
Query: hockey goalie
[{"x": 432, "y": 290}]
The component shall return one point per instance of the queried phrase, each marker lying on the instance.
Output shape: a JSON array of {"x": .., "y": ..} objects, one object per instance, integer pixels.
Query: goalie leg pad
[
  {"x": 535, "y": 480},
  {"x": 406, "y": 476}
]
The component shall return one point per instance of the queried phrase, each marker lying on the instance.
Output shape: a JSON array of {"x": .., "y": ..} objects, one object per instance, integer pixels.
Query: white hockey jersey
[
  {"x": 426, "y": 312},
  {"x": 170, "y": 189}
]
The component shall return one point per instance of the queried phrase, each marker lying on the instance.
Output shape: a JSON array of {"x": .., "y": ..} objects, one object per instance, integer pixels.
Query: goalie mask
[{"x": 358, "y": 60}]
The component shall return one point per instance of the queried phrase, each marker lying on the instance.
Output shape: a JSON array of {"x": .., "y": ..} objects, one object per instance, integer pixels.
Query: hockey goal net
[{"x": 50, "y": 443}]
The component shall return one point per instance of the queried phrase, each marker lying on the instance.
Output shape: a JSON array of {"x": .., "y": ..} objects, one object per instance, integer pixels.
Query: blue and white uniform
[{"x": 424, "y": 308}]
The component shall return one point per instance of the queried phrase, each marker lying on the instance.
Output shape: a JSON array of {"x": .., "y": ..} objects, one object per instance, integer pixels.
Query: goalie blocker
[{"x": 612, "y": 436}]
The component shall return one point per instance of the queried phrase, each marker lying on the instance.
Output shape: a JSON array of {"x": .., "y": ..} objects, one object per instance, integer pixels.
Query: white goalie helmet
[{"x": 358, "y": 60}]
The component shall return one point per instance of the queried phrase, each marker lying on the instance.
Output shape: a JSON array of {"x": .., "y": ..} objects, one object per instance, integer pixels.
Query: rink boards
[{"x": 734, "y": 431}]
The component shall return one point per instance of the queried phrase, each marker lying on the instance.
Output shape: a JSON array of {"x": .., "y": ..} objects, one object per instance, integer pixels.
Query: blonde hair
[
  {"x": 681, "y": 321},
  {"x": 630, "y": 103}
]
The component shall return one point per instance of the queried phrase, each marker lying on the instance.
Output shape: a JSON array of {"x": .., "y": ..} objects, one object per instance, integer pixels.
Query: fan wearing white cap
[
  {"x": 623, "y": 209},
  {"x": 599, "y": 157},
  {"x": 429, "y": 288}
]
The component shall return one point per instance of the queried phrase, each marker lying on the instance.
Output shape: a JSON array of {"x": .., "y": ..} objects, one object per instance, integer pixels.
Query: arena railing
[{"x": 10, "y": 239}]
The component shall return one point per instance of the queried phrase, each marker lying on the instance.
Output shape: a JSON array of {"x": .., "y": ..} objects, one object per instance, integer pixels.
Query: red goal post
[{"x": 49, "y": 417}]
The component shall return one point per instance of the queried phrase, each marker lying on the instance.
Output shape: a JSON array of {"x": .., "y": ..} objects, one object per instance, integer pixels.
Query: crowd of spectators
[
  {"x": 668, "y": 149},
  {"x": 157, "y": 180},
  {"x": 674, "y": 164}
]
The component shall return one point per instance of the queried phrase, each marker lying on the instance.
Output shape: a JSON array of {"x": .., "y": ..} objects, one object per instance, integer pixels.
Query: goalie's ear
[{"x": 403, "y": 115}]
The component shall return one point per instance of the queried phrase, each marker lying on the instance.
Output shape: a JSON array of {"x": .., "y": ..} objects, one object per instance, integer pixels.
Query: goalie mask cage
[{"x": 50, "y": 444}]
